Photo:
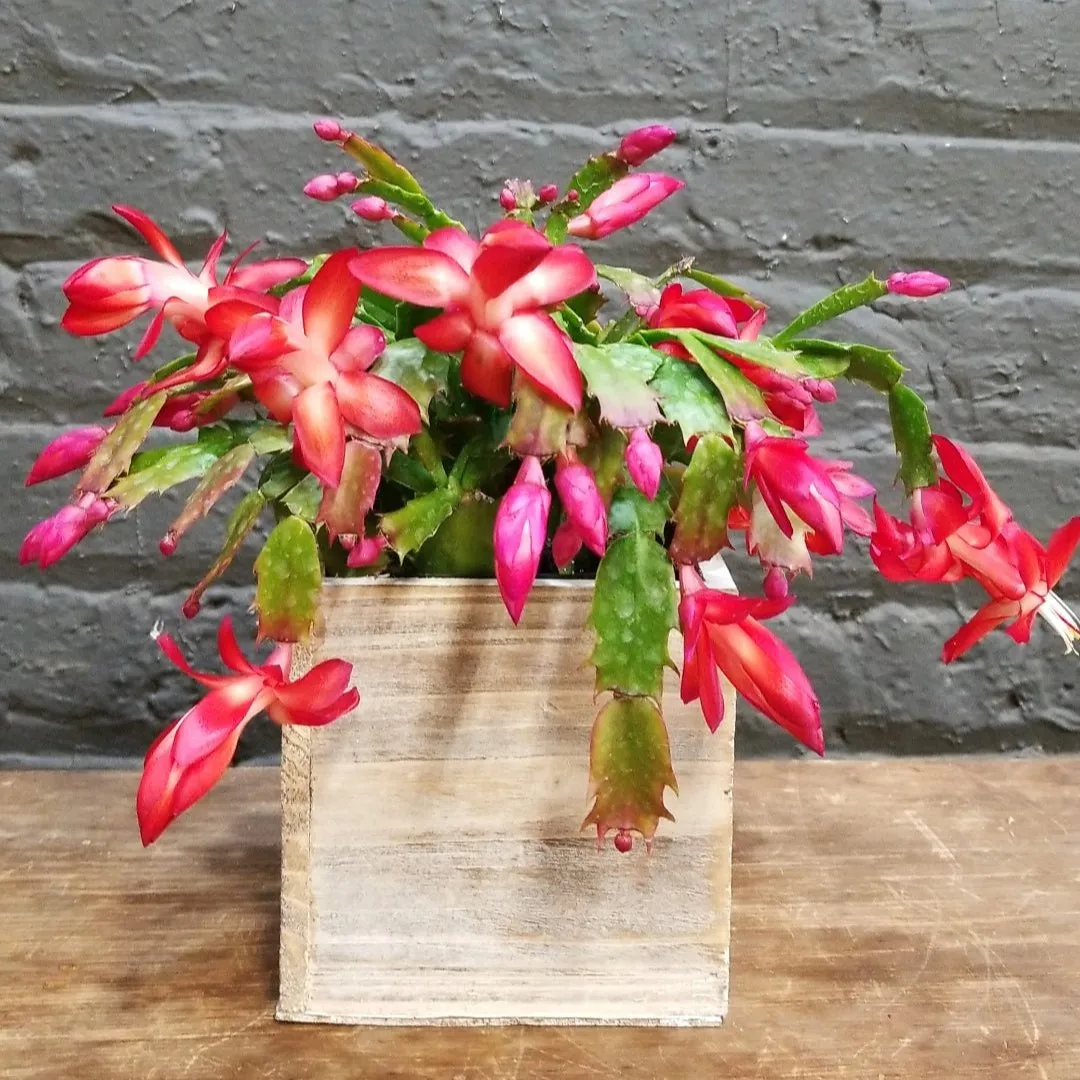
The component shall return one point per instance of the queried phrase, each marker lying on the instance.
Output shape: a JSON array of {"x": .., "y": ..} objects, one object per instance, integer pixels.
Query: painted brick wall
[{"x": 822, "y": 140}]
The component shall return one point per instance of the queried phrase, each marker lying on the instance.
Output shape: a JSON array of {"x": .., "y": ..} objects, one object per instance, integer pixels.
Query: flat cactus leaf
[
  {"x": 381, "y": 165},
  {"x": 633, "y": 612},
  {"x": 720, "y": 286},
  {"x": 618, "y": 375},
  {"x": 846, "y": 298},
  {"x": 421, "y": 373},
  {"x": 538, "y": 427},
  {"x": 688, "y": 397},
  {"x": 172, "y": 466},
  {"x": 640, "y": 290},
  {"x": 631, "y": 510},
  {"x": 877, "y": 368},
  {"x": 289, "y": 575},
  {"x": 222, "y": 475},
  {"x": 305, "y": 499},
  {"x": 605, "y": 455},
  {"x": 911, "y": 433},
  {"x": 114, "y": 455},
  {"x": 629, "y": 768},
  {"x": 463, "y": 545},
  {"x": 710, "y": 489},
  {"x": 419, "y": 519},
  {"x": 173, "y": 366},
  {"x": 244, "y": 518},
  {"x": 344, "y": 508}
]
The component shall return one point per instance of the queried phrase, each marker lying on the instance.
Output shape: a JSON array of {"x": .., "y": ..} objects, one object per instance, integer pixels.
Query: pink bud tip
[
  {"x": 624, "y": 842},
  {"x": 572, "y": 195},
  {"x": 324, "y": 188},
  {"x": 776, "y": 584},
  {"x": 167, "y": 546},
  {"x": 548, "y": 193},
  {"x": 330, "y": 130},
  {"x": 917, "y": 283},
  {"x": 520, "y": 532},
  {"x": 640, "y": 145},
  {"x": 191, "y": 607},
  {"x": 372, "y": 208},
  {"x": 507, "y": 199},
  {"x": 644, "y": 462},
  {"x": 583, "y": 505},
  {"x": 346, "y": 182},
  {"x": 366, "y": 551},
  {"x": 565, "y": 545}
]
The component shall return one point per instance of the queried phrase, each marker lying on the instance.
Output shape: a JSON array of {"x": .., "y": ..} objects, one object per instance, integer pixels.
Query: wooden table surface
[{"x": 893, "y": 919}]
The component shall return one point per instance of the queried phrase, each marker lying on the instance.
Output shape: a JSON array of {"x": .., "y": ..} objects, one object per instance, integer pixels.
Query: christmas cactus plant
[{"x": 507, "y": 406}]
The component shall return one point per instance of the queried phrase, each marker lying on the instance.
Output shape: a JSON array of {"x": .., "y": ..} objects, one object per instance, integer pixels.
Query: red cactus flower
[
  {"x": 961, "y": 528},
  {"x": 494, "y": 293},
  {"x": 308, "y": 365},
  {"x": 71, "y": 451},
  {"x": 53, "y": 538},
  {"x": 642, "y": 143},
  {"x": 192, "y": 753},
  {"x": 520, "y": 532},
  {"x": 111, "y": 292},
  {"x": 725, "y": 646},
  {"x": 626, "y": 201}
]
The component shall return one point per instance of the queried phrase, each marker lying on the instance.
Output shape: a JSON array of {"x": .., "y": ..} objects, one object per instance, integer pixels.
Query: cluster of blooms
[{"x": 660, "y": 433}]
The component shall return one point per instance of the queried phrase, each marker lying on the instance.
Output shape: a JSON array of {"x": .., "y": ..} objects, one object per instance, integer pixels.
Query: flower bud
[
  {"x": 507, "y": 200},
  {"x": 644, "y": 462},
  {"x": 640, "y": 145},
  {"x": 626, "y": 201},
  {"x": 917, "y": 283},
  {"x": 776, "y": 583},
  {"x": 372, "y": 208},
  {"x": 565, "y": 545},
  {"x": 366, "y": 551},
  {"x": 71, "y": 451},
  {"x": 346, "y": 182},
  {"x": 582, "y": 503},
  {"x": 548, "y": 193},
  {"x": 329, "y": 130},
  {"x": 519, "y": 536},
  {"x": 324, "y": 188}
]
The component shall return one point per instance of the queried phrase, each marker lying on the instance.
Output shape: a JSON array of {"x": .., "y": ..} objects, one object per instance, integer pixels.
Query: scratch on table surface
[
  {"x": 605, "y": 1068},
  {"x": 940, "y": 848},
  {"x": 207, "y": 1047},
  {"x": 997, "y": 968}
]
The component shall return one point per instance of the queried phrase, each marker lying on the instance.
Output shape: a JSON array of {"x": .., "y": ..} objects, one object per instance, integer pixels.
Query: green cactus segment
[
  {"x": 618, "y": 377},
  {"x": 720, "y": 286},
  {"x": 289, "y": 577},
  {"x": 630, "y": 510},
  {"x": 222, "y": 475},
  {"x": 710, "y": 489},
  {"x": 605, "y": 455},
  {"x": 633, "y": 613},
  {"x": 592, "y": 179},
  {"x": 629, "y": 768},
  {"x": 344, "y": 508},
  {"x": 418, "y": 520},
  {"x": 688, "y": 398},
  {"x": 911, "y": 433},
  {"x": 381, "y": 165},
  {"x": 538, "y": 427},
  {"x": 114, "y": 455},
  {"x": 845, "y": 299},
  {"x": 463, "y": 545},
  {"x": 172, "y": 367},
  {"x": 639, "y": 289},
  {"x": 172, "y": 466},
  {"x": 421, "y": 373},
  {"x": 877, "y": 368},
  {"x": 742, "y": 399},
  {"x": 243, "y": 519}
]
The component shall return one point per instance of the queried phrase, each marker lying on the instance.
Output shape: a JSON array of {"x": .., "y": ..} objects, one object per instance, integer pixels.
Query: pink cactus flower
[
  {"x": 108, "y": 293},
  {"x": 372, "y": 208},
  {"x": 53, "y": 538},
  {"x": 961, "y": 528},
  {"x": 494, "y": 293},
  {"x": 72, "y": 450},
  {"x": 308, "y": 365},
  {"x": 640, "y": 145},
  {"x": 520, "y": 533},
  {"x": 725, "y": 646},
  {"x": 582, "y": 503},
  {"x": 626, "y": 201},
  {"x": 191, "y": 755},
  {"x": 644, "y": 462},
  {"x": 917, "y": 283}
]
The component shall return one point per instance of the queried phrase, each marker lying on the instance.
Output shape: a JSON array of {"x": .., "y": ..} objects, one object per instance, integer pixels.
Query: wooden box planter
[{"x": 433, "y": 867}]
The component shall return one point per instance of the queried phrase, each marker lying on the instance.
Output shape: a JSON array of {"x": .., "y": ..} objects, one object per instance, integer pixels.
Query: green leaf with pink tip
[
  {"x": 846, "y": 298},
  {"x": 114, "y": 455},
  {"x": 689, "y": 398},
  {"x": 171, "y": 466},
  {"x": 629, "y": 768},
  {"x": 289, "y": 574},
  {"x": 742, "y": 399},
  {"x": 222, "y": 475},
  {"x": 242, "y": 520},
  {"x": 618, "y": 375},
  {"x": 538, "y": 426},
  {"x": 592, "y": 179},
  {"x": 633, "y": 612},
  {"x": 419, "y": 519},
  {"x": 421, "y": 373},
  {"x": 710, "y": 488}
]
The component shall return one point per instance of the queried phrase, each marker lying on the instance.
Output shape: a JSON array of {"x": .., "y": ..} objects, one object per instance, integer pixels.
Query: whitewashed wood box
[{"x": 433, "y": 865}]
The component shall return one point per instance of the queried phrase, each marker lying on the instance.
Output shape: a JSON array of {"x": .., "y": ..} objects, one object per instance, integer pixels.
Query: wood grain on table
[{"x": 892, "y": 919}]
